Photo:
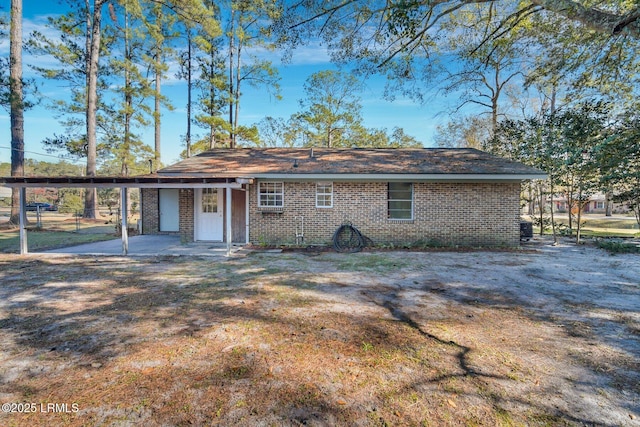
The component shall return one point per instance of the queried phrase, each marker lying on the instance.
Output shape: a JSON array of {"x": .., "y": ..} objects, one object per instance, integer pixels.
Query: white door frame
[{"x": 208, "y": 226}]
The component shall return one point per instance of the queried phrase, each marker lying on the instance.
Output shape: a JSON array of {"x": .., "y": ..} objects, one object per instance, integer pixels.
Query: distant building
[{"x": 597, "y": 204}]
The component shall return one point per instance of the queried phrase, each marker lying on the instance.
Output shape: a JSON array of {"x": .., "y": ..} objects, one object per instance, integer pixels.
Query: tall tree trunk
[
  {"x": 580, "y": 206},
  {"x": 17, "y": 105},
  {"x": 553, "y": 98},
  {"x": 531, "y": 207},
  {"x": 608, "y": 203},
  {"x": 551, "y": 177},
  {"x": 541, "y": 205},
  {"x": 236, "y": 98},
  {"x": 128, "y": 97},
  {"x": 94, "y": 32},
  {"x": 232, "y": 136},
  {"x": 156, "y": 112},
  {"x": 494, "y": 102},
  {"x": 189, "y": 88},
  {"x": 495, "y": 91},
  {"x": 553, "y": 220},
  {"x": 212, "y": 110},
  {"x": 570, "y": 203}
]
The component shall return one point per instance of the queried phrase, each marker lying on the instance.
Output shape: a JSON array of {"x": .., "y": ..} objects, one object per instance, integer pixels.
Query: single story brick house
[{"x": 302, "y": 195}]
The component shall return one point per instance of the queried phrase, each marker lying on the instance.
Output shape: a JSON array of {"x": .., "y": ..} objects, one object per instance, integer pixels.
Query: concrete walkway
[{"x": 151, "y": 245}]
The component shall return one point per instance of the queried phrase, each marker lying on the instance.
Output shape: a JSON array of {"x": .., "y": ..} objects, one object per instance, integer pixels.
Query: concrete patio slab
[{"x": 151, "y": 245}]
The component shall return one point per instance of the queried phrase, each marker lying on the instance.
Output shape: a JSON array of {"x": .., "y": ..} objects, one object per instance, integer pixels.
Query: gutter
[{"x": 402, "y": 177}]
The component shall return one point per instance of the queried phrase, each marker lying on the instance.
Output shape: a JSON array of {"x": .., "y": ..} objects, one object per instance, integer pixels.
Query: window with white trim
[
  {"x": 324, "y": 195},
  {"x": 270, "y": 194},
  {"x": 400, "y": 200}
]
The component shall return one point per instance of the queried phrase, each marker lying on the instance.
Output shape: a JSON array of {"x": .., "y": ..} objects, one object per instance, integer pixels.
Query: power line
[{"x": 46, "y": 155}]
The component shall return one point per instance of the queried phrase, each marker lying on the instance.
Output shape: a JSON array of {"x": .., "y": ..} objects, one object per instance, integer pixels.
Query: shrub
[{"x": 618, "y": 247}]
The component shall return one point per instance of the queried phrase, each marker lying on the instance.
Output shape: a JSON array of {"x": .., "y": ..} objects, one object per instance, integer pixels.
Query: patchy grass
[
  {"x": 608, "y": 233},
  {"x": 615, "y": 224},
  {"x": 293, "y": 340},
  {"x": 40, "y": 240},
  {"x": 57, "y": 231},
  {"x": 364, "y": 261},
  {"x": 599, "y": 226}
]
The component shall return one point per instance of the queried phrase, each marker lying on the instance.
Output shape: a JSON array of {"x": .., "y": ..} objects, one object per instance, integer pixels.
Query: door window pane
[{"x": 209, "y": 200}]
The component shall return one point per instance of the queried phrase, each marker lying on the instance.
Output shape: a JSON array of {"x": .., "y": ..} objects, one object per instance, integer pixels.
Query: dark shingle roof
[{"x": 263, "y": 162}]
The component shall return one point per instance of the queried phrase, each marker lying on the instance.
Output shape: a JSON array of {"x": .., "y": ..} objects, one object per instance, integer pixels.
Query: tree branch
[
  {"x": 596, "y": 19},
  {"x": 631, "y": 18},
  {"x": 518, "y": 16},
  {"x": 424, "y": 30},
  {"x": 322, "y": 13}
]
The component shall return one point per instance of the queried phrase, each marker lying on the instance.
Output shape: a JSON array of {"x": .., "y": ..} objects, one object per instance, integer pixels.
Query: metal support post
[
  {"x": 123, "y": 224},
  {"x": 24, "y": 247},
  {"x": 228, "y": 221}
]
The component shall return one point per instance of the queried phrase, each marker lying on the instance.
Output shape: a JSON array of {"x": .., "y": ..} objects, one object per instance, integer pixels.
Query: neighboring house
[
  {"x": 597, "y": 204},
  {"x": 283, "y": 196}
]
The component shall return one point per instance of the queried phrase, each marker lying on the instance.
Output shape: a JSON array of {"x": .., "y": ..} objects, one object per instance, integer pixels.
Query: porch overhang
[{"x": 143, "y": 181}]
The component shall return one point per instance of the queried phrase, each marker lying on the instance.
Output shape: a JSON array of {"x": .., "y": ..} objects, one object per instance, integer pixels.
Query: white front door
[
  {"x": 209, "y": 221},
  {"x": 169, "y": 209}
]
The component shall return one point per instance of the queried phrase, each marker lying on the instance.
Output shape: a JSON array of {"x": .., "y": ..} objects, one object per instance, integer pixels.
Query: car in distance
[{"x": 43, "y": 207}]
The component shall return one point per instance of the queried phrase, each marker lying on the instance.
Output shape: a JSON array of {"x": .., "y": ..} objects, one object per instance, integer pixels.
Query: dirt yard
[{"x": 543, "y": 337}]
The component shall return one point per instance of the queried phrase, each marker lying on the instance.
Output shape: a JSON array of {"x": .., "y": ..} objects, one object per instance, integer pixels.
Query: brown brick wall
[
  {"x": 467, "y": 214},
  {"x": 150, "y": 206},
  {"x": 186, "y": 215}
]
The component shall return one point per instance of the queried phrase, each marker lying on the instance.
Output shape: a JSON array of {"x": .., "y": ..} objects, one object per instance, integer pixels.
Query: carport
[{"x": 124, "y": 183}]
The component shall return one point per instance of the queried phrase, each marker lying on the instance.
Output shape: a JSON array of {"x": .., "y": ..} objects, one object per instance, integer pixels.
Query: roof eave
[{"x": 402, "y": 177}]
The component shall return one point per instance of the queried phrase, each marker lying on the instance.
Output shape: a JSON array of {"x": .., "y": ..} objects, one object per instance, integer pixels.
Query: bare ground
[{"x": 544, "y": 337}]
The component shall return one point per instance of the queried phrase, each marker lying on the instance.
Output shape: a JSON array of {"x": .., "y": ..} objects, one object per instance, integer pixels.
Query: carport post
[
  {"x": 24, "y": 247},
  {"x": 229, "y": 236},
  {"x": 123, "y": 217}
]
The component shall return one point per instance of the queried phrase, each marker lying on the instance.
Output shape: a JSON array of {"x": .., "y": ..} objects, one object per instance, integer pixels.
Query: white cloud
[
  {"x": 397, "y": 102},
  {"x": 310, "y": 54}
]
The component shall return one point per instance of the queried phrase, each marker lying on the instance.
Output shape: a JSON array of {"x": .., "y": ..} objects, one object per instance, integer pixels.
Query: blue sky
[{"x": 417, "y": 120}]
